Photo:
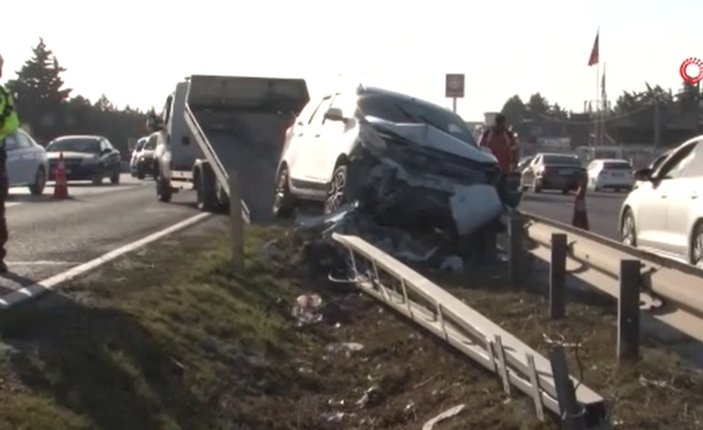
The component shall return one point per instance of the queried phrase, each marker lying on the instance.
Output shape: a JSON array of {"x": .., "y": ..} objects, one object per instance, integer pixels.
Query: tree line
[
  {"x": 635, "y": 117},
  {"x": 47, "y": 109}
]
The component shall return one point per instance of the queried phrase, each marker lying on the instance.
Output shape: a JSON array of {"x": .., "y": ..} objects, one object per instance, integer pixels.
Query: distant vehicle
[
  {"x": 524, "y": 162},
  {"x": 664, "y": 211},
  {"x": 135, "y": 155},
  {"x": 27, "y": 163},
  {"x": 143, "y": 157},
  {"x": 615, "y": 174},
  {"x": 548, "y": 171},
  {"x": 211, "y": 125},
  {"x": 85, "y": 157}
]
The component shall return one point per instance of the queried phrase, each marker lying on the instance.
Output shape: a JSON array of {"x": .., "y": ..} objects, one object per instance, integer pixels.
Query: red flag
[{"x": 594, "y": 52}]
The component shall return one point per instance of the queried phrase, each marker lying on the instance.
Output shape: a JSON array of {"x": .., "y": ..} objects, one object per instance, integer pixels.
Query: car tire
[
  {"x": 696, "y": 253},
  {"x": 37, "y": 188},
  {"x": 98, "y": 179},
  {"x": 283, "y": 200},
  {"x": 628, "y": 231},
  {"x": 336, "y": 193},
  {"x": 115, "y": 177}
]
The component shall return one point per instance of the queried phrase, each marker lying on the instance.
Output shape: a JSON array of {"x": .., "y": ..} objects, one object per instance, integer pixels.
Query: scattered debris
[
  {"x": 430, "y": 425},
  {"x": 306, "y": 309},
  {"x": 372, "y": 397},
  {"x": 347, "y": 347}
]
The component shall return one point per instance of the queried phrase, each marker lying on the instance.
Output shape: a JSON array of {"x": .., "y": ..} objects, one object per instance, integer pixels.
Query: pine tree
[{"x": 40, "y": 90}]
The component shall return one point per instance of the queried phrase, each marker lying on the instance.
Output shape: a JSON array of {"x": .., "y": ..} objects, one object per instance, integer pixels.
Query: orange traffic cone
[
  {"x": 61, "y": 185},
  {"x": 580, "y": 219}
]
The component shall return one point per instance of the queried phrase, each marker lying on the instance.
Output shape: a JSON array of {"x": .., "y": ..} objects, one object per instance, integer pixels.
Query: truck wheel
[
  {"x": 205, "y": 189},
  {"x": 283, "y": 200}
]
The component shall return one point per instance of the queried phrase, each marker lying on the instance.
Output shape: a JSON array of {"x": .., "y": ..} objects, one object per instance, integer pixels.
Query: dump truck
[{"x": 213, "y": 125}]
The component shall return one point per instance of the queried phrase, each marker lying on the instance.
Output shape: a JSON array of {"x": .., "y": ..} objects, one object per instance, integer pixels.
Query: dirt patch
[{"x": 173, "y": 338}]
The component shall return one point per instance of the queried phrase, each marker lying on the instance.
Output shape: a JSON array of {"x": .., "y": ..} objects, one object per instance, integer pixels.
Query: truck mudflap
[{"x": 239, "y": 124}]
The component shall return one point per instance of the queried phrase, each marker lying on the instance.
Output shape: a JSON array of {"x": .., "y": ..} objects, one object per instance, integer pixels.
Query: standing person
[
  {"x": 9, "y": 123},
  {"x": 502, "y": 144}
]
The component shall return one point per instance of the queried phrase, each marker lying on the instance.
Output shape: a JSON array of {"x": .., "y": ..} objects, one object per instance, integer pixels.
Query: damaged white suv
[{"x": 406, "y": 158}]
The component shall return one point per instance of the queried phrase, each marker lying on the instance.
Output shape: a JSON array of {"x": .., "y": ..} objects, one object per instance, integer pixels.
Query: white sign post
[{"x": 454, "y": 87}]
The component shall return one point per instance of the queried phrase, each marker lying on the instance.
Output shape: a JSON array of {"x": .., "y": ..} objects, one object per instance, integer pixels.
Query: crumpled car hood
[{"x": 432, "y": 137}]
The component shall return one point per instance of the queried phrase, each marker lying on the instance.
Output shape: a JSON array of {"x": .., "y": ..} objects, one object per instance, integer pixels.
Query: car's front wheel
[
  {"x": 37, "y": 188},
  {"x": 336, "y": 194},
  {"x": 696, "y": 257},
  {"x": 628, "y": 232}
]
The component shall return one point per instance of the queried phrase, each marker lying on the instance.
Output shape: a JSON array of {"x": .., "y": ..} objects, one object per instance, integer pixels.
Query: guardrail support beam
[
  {"x": 629, "y": 311},
  {"x": 557, "y": 276},
  {"x": 517, "y": 253},
  {"x": 236, "y": 221},
  {"x": 570, "y": 415}
]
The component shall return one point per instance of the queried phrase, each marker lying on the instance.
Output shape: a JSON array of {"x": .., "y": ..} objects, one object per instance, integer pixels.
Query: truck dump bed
[{"x": 239, "y": 123}]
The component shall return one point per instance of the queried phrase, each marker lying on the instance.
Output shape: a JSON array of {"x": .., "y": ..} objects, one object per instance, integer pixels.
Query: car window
[
  {"x": 11, "y": 142},
  {"x": 139, "y": 145},
  {"x": 401, "y": 110},
  {"x": 320, "y": 111},
  {"x": 694, "y": 166},
  {"x": 77, "y": 144},
  {"x": 673, "y": 167},
  {"x": 23, "y": 142},
  {"x": 617, "y": 165},
  {"x": 561, "y": 159},
  {"x": 150, "y": 144}
]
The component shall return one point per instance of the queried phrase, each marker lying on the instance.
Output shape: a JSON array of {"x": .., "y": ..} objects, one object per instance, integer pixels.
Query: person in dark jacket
[{"x": 9, "y": 123}]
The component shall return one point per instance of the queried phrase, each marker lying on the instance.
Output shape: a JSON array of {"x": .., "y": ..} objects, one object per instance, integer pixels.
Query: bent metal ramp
[{"x": 240, "y": 124}]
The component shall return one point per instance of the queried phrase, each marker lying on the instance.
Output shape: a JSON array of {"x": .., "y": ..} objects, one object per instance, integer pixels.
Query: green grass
[{"x": 148, "y": 345}]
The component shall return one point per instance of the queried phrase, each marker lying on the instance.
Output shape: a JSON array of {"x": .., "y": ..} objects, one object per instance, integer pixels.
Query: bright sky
[{"x": 136, "y": 51}]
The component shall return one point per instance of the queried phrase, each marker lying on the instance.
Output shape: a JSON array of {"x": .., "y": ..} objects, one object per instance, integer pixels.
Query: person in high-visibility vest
[{"x": 9, "y": 123}]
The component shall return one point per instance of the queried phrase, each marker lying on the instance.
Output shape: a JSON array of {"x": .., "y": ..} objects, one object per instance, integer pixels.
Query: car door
[
  {"x": 27, "y": 158},
  {"x": 311, "y": 160},
  {"x": 653, "y": 209},
  {"x": 15, "y": 171},
  {"x": 333, "y": 138},
  {"x": 684, "y": 193},
  {"x": 114, "y": 156}
]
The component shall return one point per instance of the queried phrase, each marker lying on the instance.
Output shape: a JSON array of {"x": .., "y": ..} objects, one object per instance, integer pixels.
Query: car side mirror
[
  {"x": 335, "y": 114},
  {"x": 644, "y": 174}
]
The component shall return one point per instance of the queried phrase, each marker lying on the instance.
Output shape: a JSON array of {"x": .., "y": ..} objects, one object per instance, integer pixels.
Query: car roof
[
  {"x": 80, "y": 136},
  {"x": 558, "y": 154},
  {"x": 363, "y": 90}
]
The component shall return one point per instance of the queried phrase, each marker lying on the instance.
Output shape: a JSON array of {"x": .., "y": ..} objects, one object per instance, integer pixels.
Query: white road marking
[
  {"x": 42, "y": 263},
  {"x": 38, "y": 288}
]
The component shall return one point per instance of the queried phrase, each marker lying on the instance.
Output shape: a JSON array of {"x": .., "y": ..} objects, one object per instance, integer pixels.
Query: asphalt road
[
  {"x": 603, "y": 209},
  {"x": 49, "y": 236}
]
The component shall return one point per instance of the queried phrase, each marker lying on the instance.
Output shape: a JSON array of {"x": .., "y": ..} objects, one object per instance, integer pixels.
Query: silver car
[{"x": 27, "y": 163}]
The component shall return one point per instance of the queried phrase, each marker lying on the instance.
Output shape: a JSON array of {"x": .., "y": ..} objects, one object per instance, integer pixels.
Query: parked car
[
  {"x": 85, "y": 157},
  {"x": 664, "y": 211},
  {"x": 548, "y": 171},
  {"x": 375, "y": 143},
  {"x": 135, "y": 155},
  {"x": 143, "y": 157},
  {"x": 608, "y": 173},
  {"x": 27, "y": 163}
]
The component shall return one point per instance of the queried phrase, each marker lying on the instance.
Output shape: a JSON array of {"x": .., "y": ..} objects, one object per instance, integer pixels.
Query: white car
[
  {"x": 27, "y": 163},
  {"x": 664, "y": 211},
  {"x": 610, "y": 173},
  {"x": 338, "y": 140}
]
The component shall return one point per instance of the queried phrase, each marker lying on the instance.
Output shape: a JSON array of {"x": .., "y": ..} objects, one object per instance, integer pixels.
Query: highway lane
[
  {"x": 603, "y": 209},
  {"x": 49, "y": 236}
]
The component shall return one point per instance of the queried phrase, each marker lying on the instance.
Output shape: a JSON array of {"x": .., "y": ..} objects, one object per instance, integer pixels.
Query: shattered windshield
[{"x": 401, "y": 110}]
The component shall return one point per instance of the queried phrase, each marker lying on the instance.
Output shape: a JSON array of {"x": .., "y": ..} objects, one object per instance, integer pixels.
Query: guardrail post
[
  {"x": 629, "y": 310},
  {"x": 236, "y": 221},
  {"x": 570, "y": 415},
  {"x": 557, "y": 276},
  {"x": 517, "y": 253}
]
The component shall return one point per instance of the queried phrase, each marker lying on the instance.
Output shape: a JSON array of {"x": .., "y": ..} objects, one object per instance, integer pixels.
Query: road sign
[{"x": 455, "y": 85}]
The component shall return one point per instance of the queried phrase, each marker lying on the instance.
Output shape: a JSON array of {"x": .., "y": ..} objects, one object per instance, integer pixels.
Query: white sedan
[
  {"x": 27, "y": 163},
  {"x": 610, "y": 173},
  {"x": 664, "y": 211}
]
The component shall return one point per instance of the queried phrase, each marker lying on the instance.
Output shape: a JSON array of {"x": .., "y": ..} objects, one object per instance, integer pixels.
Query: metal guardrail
[
  {"x": 678, "y": 285},
  {"x": 409, "y": 293}
]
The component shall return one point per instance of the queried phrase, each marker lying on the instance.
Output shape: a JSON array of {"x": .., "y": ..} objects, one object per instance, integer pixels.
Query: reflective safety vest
[{"x": 9, "y": 121}]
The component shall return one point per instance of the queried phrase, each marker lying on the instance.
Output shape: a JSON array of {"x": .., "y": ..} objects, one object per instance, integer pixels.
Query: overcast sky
[{"x": 136, "y": 51}]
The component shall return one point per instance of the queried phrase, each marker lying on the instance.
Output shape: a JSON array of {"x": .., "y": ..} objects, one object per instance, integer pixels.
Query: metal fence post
[
  {"x": 236, "y": 221},
  {"x": 629, "y": 310},
  {"x": 557, "y": 276},
  {"x": 517, "y": 253},
  {"x": 570, "y": 415}
]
